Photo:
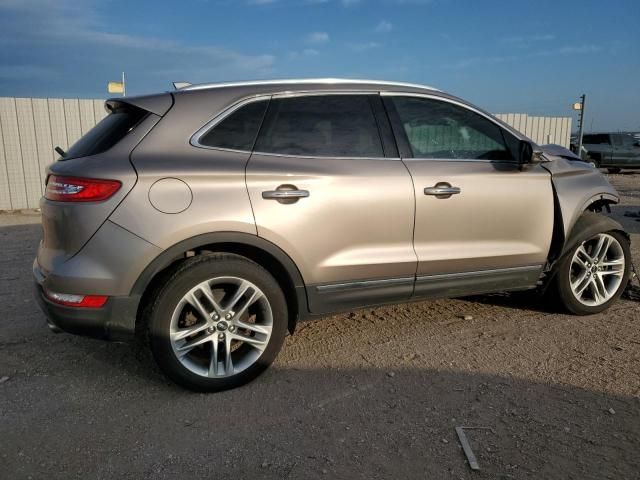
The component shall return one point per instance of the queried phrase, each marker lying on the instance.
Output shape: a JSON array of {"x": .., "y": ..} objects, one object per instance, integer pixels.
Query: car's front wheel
[
  {"x": 217, "y": 322},
  {"x": 594, "y": 273}
]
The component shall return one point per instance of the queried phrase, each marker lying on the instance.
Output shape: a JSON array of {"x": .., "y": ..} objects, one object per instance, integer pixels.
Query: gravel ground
[{"x": 370, "y": 394}]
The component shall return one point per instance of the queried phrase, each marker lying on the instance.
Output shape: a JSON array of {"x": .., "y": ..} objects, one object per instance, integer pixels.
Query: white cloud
[
  {"x": 75, "y": 28},
  {"x": 384, "y": 27},
  {"x": 317, "y": 38},
  {"x": 362, "y": 47}
]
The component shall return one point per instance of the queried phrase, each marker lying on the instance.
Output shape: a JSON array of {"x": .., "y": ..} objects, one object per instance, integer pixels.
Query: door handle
[
  {"x": 442, "y": 190},
  {"x": 285, "y": 194}
]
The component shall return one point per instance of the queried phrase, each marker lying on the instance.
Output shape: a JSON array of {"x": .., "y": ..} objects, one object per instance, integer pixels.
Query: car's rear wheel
[
  {"x": 594, "y": 273},
  {"x": 217, "y": 322}
]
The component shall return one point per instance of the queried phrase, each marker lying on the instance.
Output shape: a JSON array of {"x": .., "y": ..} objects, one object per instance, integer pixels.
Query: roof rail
[{"x": 327, "y": 81}]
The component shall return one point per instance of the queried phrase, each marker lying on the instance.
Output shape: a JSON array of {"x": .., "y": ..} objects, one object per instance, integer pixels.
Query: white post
[{"x": 124, "y": 88}]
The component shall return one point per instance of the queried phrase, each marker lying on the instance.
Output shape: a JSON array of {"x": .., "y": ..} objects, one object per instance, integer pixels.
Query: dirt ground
[{"x": 370, "y": 394}]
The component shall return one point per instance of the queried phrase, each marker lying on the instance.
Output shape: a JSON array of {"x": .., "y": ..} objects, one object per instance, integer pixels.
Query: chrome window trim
[{"x": 195, "y": 138}]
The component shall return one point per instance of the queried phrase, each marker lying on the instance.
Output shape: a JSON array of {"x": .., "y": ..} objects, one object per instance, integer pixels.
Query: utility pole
[
  {"x": 124, "y": 90},
  {"x": 580, "y": 106}
]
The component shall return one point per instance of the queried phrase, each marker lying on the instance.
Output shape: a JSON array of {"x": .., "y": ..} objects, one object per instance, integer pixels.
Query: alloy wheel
[
  {"x": 221, "y": 327},
  {"x": 597, "y": 270}
]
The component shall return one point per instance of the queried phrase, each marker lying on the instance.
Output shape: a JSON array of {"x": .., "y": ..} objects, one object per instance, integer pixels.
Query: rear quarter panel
[{"x": 215, "y": 178}]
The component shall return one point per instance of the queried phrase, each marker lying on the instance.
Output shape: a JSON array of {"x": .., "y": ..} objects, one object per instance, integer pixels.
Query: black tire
[
  {"x": 614, "y": 170},
  {"x": 560, "y": 288},
  {"x": 187, "y": 275}
]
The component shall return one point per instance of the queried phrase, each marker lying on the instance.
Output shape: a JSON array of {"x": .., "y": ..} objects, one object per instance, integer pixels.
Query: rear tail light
[
  {"x": 74, "y": 189},
  {"x": 82, "y": 301}
]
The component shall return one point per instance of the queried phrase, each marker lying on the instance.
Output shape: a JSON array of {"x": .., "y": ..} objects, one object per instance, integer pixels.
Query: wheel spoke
[
  {"x": 197, "y": 304},
  {"x": 188, "y": 331},
  {"x": 239, "y": 308},
  {"x": 205, "y": 289},
  {"x": 254, "y": 327},
  {"x": 253, "y": 341},
  {"x": 213, "y": 361},
  {"x": 228, "y": 361},
  {"x": 586, "y": 281},
  {"x": 582, "y": 251},
  {"x": 598, "y": 294},
  {"x": 191, "y": 344},
  {"x": 601, "y": 248}
]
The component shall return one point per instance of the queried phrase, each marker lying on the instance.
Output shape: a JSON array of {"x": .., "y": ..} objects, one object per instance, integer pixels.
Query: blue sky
[{"x": 534, "y": 57}]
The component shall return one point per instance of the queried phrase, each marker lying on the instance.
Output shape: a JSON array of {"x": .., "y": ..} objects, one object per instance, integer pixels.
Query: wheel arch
[
  {"x": 587, "y": 225},
  {"x": 256, "y": 249}
]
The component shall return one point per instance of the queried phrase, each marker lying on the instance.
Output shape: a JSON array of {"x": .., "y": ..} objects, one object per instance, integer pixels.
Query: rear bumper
[{"x": 114, "y": 321}]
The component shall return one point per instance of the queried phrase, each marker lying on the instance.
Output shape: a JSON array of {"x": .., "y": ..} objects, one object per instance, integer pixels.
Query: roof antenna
[{"x": 179, "y": 85}]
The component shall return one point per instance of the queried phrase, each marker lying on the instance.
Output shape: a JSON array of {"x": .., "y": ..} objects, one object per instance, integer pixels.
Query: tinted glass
[
  {"x": 596, "y": 139},
  {"x": 237, "y": 131},
  {"x": 437, "y": 129},
  {"x": 109, "y": 131},
  {"x": 628, "y": 140},
  {"x": 327, "y": 125}
]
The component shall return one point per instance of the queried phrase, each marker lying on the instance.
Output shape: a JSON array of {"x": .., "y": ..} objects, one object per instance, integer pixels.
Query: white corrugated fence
[{"x": 30, "y": 129}]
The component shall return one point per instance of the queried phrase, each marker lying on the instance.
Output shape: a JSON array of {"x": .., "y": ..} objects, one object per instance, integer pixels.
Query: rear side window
[
  {"x": 437, "y": 129},
  {"x": 237, "y": 131},
  {"x": 596, "y": 139},
  {"x": 321, "y": 126},
  {"x": 109, "y": 131}
]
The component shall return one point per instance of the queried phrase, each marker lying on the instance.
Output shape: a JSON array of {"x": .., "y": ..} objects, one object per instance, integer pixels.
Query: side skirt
[{"x": 339, "y": 297}]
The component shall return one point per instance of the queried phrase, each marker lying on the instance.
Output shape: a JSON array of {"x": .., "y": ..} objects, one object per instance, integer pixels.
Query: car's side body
[
  {"x": 367, "y": 233},
  {"x": 613, "y": 150}
]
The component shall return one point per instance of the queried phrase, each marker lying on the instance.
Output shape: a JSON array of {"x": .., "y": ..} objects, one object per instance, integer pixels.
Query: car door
[
  {"x": 482, "y": 223},
  {"x": 324, "y": 191}
]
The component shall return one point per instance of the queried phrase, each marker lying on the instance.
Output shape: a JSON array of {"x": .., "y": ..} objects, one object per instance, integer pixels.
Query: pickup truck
[{"x": 613, "y": 151}]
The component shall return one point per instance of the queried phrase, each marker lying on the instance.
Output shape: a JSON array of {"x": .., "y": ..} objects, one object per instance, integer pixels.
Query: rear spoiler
[{"x": 158, "y": 104}]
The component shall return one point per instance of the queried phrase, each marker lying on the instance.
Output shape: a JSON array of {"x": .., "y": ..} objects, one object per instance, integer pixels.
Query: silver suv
[{"x": 211, "y": 219}]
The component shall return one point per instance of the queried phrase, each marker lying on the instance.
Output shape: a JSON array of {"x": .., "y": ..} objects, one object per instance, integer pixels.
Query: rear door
[
  {"x": 326, "y": 186},
  {"x": 482, "y": 223}
]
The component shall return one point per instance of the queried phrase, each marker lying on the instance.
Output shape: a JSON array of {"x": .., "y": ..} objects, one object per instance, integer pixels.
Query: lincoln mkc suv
[{"x": 211, "y": 219}]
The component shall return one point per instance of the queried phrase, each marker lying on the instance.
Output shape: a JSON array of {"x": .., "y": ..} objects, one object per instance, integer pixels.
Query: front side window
[
  {"x": 321, "y": 126},
  {"x": 237, "y": 131},
  {"x": 437, "y": 129}
]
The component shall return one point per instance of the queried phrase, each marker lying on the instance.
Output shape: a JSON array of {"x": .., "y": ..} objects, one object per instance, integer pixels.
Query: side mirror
[{"x": 527, "y": 155}]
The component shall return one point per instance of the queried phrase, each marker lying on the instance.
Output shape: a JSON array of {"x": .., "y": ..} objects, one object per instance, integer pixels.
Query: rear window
[
  {"x": 239, "y": 130},
  {"x": 596, "y": 139},
  {"x": 109, "y": 131}
]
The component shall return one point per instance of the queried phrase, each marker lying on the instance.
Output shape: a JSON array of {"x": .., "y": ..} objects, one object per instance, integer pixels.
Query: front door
[
  {"x": 482, "y": 223},
  {"x": 324, "y": 191}
]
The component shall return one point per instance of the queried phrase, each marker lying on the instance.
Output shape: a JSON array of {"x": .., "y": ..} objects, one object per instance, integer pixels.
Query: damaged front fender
[{"x": 578, "y": 186}]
